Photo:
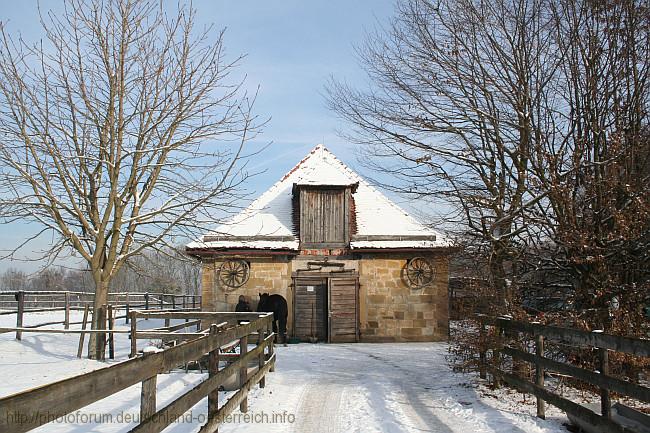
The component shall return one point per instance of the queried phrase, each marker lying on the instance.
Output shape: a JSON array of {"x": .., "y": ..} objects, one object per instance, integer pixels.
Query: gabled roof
[{"x": 268, "y": 223}]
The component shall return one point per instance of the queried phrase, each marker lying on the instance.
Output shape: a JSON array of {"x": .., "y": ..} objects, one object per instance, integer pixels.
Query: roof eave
[
  {"x": 216, "y": 251},
  {"x": 445, "y": 249}
]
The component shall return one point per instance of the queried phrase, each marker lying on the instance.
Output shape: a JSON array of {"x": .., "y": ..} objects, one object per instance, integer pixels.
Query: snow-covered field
[{"x": 315, "y": 388}]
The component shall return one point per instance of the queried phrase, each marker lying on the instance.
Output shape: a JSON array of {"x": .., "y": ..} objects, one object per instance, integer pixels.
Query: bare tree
[
  {"x": 49, "y": 279},
  {"x": 78, "y": 280},
  {"x": 531, "y": 118},
  {"x": 120, "y": 130},
  {"x": 596, "y": 172},
  {"x": 14, "y": 280},
  {"x": 453, "y": 112},
  {"x": 165, "y": 270}
]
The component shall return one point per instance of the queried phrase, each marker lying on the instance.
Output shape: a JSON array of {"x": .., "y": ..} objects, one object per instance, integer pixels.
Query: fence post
[
  {"x": 243, "y": 371},
  {"x": 514, "y": 340},
  {"x": 183, "y": 302},
  {"x": 111, "y": 342},
  {"x": 496, "y": 357},
  {"x": 20, "y": 297},
  {"x": 66, "y": 320},
  {"x": 193, "y": 302},
  {"x": 482, "y": 344},
  {"x": 260, "y": 340},
  {"x": 162, "y": 307},
  {"x": 146, "y": 301},
  {"x": 82, "y": 335},
  {"x": 605, "y": 401},
  {"x": 539, "y": 375},
  {"x": 173, "y": 302},
  {"x": 148, "y": 397},
  {"x": 269, "y": 329},
  {"x": 213, "y": 369},
  {"x": 134, "y": 336}
]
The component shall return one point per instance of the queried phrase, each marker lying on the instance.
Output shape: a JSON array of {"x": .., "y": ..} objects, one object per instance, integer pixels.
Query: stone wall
[
  {"x": 392, "y": 311},
  {"x": 267, "y": 274},
  {"x": 389, "y": 310}
]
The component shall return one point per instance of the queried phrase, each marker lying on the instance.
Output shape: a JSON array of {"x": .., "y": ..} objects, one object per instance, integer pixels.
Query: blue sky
[{"x": 292, "y": 47}]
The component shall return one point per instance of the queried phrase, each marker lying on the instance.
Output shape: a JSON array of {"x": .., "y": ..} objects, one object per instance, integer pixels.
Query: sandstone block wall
[
  {"x": 392, "y": 311},
  {"x": 389, "y": 310},
  {"x": 272, "y": 275}
]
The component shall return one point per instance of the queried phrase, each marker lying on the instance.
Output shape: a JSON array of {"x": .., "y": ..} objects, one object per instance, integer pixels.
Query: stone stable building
[{"x": 351, "y": 264}]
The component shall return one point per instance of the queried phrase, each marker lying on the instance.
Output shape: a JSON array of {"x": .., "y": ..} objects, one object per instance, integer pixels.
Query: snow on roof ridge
[
  {"x": 353, "y": 174},
  {"x": 261, "y": 199},
  {"x": 369, "y": 185},
  {"x": 297, "y": 166},
  {"x": 318, "y": 148},
  {"x": 322, "y": 154}
]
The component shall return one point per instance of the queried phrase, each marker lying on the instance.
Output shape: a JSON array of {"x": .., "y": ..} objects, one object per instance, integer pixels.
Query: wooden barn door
[
  {"x": 344, "y": 309},
  {"x": 310, "y": 308}
]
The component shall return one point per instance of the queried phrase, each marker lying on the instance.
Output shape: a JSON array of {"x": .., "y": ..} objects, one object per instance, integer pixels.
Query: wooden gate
[
  {"x": 343, "y": 309},
  {"x": 310, "y": 308}
]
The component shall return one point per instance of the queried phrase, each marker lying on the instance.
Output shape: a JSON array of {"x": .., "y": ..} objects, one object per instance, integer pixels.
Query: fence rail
[
  {"x": 20, "y": 412},
  {"x": 37, "y": 300},
  {"x": 601, "y": 342},
  {"x": 33, "y": 301}
]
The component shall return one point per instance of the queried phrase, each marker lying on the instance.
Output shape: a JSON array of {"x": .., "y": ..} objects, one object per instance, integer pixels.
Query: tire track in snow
[
  {"x": 319, "y": 408},
  {"x": 398, "y": 392},
  {"x": 437, "y": 409}
]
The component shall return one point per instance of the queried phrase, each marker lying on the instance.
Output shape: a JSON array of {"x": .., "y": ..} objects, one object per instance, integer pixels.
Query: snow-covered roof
[{"x": 268, "y": 222}]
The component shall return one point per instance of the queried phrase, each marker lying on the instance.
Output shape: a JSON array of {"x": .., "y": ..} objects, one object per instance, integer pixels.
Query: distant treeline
[{"x": 157, "y": 271}]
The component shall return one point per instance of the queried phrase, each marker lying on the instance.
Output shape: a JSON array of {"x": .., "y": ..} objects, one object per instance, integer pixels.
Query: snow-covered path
[{"x": 388, "y": 388}]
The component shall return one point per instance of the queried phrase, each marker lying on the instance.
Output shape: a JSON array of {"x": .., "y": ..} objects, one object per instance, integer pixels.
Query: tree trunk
[
  {"x": 97, "y": 342},
  {"x": 498, "y": 276}
]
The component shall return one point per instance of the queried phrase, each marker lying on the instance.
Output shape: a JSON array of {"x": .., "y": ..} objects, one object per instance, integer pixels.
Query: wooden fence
[
  {"x": 30, "y": 409},
  {"x": 40, "y": 301},
  {"x": 507, "y": 330},
  {"x": 22, "y": 302}
]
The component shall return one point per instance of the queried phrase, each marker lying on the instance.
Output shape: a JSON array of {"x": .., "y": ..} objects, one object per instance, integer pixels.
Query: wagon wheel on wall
[
  {"x": 234, "y": 273},
  {"x": 419, "y": 272}
]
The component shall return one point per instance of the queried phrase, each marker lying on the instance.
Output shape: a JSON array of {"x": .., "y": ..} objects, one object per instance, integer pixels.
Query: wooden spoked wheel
[
  {"x": 419, "y": 272},
  {"x": 234, "y": 273}
]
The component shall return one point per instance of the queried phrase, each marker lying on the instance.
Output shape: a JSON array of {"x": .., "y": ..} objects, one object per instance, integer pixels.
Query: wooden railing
[
  {"x": 30, "y": 409},
  {"x": 39, "y": 301},
  {"x": 507, "y": 330},
  {"x": 22, "y": 302}
]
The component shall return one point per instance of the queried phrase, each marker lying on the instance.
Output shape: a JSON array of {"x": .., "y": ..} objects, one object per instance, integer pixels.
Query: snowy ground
[{"x": 315, "y": 388}]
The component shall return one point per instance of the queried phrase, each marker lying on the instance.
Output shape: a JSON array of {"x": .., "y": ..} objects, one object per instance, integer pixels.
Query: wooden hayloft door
[{"x": 343, "y": 309}]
